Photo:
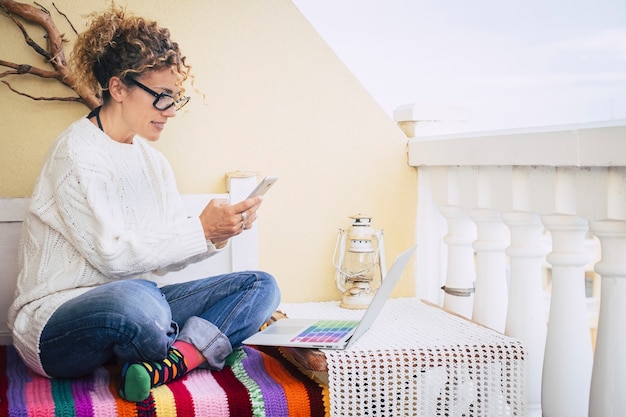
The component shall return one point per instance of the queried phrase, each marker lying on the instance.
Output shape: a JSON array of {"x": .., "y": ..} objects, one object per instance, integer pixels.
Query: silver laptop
[{"x": 331, "y": 334}]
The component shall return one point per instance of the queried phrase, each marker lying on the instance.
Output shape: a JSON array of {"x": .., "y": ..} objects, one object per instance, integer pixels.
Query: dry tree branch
[
  {"x": 76, "y": 99},
  {"x": 29, "y": 40},
  {"x": 66, "y": 18},
  {"x": 53, "y": 53},
  {"x": 20, "y": 69}
]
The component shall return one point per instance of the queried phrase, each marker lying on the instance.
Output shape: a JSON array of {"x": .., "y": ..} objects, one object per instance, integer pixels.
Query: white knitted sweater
[{"x": 101, "y": 211}]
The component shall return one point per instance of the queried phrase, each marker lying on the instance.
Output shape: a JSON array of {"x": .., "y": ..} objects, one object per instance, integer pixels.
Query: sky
[{"x": 509, "y": 63}]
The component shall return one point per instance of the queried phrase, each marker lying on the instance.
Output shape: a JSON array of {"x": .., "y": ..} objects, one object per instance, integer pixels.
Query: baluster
[
  {"x": 608, "y": 382},
  {"x": 430, "y": 270},
  {"x": 568, "y": 355},
  {"x": 459, "y": 288},
  {"x": 491, "y": 294},
  {"x": 525, "y": 318}
]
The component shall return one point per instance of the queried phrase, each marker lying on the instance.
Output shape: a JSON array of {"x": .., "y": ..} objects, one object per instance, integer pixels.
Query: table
[{"x": 418, "y": 360}]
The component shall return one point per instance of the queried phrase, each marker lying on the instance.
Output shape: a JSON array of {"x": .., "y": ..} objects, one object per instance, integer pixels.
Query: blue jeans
[{"x": 134, "y": 320}]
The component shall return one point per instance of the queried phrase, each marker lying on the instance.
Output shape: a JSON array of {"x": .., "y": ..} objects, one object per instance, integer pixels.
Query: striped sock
[
  {"x": 192, "y": 356},
  {"x": 139, "y": 378}
]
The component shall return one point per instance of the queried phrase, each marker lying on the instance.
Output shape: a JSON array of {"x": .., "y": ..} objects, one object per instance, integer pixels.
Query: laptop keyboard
[{"x": 328, "y": 331}]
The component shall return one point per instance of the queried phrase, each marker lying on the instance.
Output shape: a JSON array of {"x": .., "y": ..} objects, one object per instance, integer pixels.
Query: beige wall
[{"x": 277, "y": 101}]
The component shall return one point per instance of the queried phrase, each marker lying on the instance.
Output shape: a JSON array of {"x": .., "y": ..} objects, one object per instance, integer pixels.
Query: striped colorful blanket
[{"x": 256, "y": 382}]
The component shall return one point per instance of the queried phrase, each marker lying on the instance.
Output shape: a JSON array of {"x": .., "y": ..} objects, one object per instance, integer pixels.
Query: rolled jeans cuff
[{"x": 208, "y": 339}]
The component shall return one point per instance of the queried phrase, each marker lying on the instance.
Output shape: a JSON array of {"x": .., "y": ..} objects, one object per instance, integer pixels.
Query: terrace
[{"x": 522, "y": 227}]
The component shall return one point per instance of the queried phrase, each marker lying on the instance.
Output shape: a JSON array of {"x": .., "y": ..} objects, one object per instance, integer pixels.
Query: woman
[{"x": 106, "y": 217}]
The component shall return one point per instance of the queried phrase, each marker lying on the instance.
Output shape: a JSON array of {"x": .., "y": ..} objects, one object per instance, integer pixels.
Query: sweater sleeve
[{"x": 117, "y": 204}]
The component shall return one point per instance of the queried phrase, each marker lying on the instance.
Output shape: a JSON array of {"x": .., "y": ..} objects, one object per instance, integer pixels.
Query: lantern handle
[
  {"x": 338, "y": 256},
  {"x": 380, "y": 246}
]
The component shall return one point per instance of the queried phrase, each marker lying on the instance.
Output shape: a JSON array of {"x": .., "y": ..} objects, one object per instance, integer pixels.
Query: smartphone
[{"x": 263, "y": 186}]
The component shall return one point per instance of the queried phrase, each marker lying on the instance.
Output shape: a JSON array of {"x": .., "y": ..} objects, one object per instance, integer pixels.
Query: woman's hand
[{"x": 221, "y": 221}]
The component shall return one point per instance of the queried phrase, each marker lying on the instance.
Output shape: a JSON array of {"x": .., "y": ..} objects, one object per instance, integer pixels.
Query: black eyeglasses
[{"x": 162, "y": 101}]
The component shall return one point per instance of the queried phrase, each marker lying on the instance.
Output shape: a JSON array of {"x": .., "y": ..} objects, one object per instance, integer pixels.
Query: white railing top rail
[{"x": 598, "y": 144}]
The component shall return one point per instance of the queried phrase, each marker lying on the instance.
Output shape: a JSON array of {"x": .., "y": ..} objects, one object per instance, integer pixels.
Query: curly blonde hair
[{"x": 117, "y": 44}]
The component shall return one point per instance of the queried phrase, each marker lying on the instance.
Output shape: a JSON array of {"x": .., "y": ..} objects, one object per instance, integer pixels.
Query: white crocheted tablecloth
[{"x": 418, "y": 360}]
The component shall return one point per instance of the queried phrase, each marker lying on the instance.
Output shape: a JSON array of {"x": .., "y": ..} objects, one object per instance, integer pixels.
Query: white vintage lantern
[{"x": 359, "y": 261}]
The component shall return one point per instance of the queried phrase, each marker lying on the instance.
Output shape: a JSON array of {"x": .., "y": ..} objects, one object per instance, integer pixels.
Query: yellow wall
[{"x": 277, "y": 101}]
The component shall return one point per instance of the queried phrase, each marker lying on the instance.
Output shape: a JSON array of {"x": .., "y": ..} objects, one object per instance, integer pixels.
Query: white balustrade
[
  {"x": 459, "y": 288},
  {"x": 525, "y": 317},
  {"x": 608, "y": 382},
  {"x": 538, "y": 189},
  {"x": 491, "y": 292},
  {"x": 568, "y": 356}
]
